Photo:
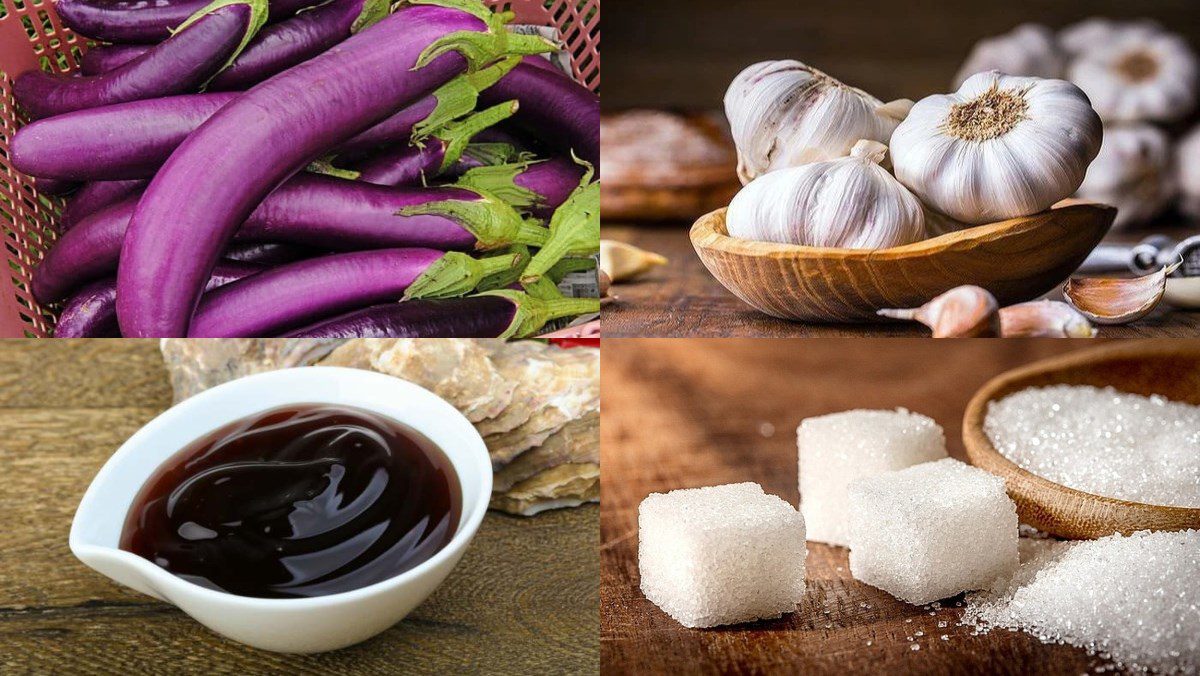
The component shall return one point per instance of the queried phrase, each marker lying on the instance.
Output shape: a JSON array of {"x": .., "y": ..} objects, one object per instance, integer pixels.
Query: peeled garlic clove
[
  {"x": 623, "y": 261},
  {"x": 1029, "y": 49},
  {"x": 785, "y": 114},
  {"x": 1132, "y": 173},
  {"x": 1108, "y": 300},
  {"x": 961, "y": 312},
  {"x": 1142, "y": 74},
  {"x": 1000, "y": 147},
  {"x": 1044, "y": 319},
  {"x": 847, "y": 203},
  {"x": 1187, "y": 171}
]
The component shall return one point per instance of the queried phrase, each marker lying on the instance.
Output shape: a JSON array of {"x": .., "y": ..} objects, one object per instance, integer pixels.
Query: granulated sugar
[
  {"x": 1135, "y": 600},
  {"x": 1101, "y": 441}
]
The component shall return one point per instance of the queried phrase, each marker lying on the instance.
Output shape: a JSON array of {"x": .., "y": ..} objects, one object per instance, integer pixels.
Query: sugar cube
[
  {"x": 931, "y": 531},
  {"x": 838, "y": 448},
  {"x": 721, "y": 554}
]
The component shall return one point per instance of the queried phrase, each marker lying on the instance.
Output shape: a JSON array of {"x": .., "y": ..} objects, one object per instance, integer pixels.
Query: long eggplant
[
  {"x": 140, "y": 135},
  {"x": 283, "y": 298},
  {"x": 93, "y": 197},
  {"x": 137, "y": 138},
  {"x": 283, "y": 45},
  {"x": 554, "y": 108},
  {"x": 322, "y": 212},
  {"x": 220, "y": 173},
  {"x": 266, "y": 254},
  {"x": 92, "y": 313},
  {"x": 539, "y": 187},
  {"x": 495, "y": 314},
  {"x": 437, "y": 153},
  {"x": 146, "y": 21},
  {"x": 205, "y": 43}
]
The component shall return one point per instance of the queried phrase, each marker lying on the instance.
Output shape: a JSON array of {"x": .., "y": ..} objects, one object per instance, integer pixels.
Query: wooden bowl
[
  {"x": 1017, "y": 260},
  {"x": 1168, "y": 368}
]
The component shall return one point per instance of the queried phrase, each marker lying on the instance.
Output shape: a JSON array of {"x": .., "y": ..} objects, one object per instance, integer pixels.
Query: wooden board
[
  {"x": 687, "y": 413},
  {"x": 523, "y": 599},
  {"x": 683, "y": 300}
]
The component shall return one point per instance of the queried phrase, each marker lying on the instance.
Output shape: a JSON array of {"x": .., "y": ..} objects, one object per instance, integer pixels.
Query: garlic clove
[
  {"x": 605, "y": 285},
  {"x": 1110, "y": 300},
  {"x": 961, "y": 312},
  {"x": 622, "y": 262},
  {"x": 1044, "y": 319}
]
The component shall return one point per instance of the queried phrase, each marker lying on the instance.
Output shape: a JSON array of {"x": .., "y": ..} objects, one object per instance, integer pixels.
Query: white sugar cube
[
  {"x": 838, "y": 448},
  {"x": 721, "y": 554},
  {"x": 932, "y": 531}
]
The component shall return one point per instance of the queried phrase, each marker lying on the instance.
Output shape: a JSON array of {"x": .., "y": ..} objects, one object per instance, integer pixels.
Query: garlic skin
[
  {"x": 1000, "y": 147},
  {"x": 847, "y": 203},
  {"x": 1187, "y": 173},
  {"x": 1029, "y": 49},
  {"x": 1140, "y": 75},
  {"x": 1132, "y": 172},
  {"x": 786, "y": 114}
]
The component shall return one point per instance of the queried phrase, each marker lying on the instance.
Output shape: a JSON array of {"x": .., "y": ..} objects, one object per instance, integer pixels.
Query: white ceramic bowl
[{"x": 285, "y": 625}]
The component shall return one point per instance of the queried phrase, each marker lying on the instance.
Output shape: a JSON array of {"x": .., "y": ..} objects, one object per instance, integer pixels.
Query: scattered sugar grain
[
  {"x": 1102, "y": 441},
  {"x": 1132, "y": 599}
]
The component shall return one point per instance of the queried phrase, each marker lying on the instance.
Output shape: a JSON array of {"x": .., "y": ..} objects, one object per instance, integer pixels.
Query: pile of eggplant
[{"x": 336, "y": 168}]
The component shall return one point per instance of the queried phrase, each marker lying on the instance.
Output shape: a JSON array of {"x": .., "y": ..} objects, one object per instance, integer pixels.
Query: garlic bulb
[
  {"x": 1028, "y": 49},
  {"x": 1086, "y": 35},
  {"x": 1132, "y": 173},
  {"x": 1000, "y": 147},
  {"x": 785, "y": 114},
  {"x": 1188, "y": 173},
  {"x": 851, "y": 203},
  {"x": 1141, "y": 74}
]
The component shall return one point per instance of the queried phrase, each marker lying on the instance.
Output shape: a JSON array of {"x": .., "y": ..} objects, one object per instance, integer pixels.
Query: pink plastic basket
[{"x": 31, "y": 36}]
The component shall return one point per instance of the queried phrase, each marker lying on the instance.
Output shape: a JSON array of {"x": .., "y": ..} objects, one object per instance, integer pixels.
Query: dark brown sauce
[{"x": 306, "y": 500}]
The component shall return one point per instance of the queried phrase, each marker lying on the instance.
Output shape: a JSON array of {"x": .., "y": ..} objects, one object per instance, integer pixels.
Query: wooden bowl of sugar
[
  {"x": 1167, "y": 368},
  {"x": 1017, "y": 260}
]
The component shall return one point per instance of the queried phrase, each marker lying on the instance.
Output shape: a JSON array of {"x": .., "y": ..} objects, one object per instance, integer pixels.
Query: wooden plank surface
[
  {"x": 522, "y": 600},
  {"x": 687, "y": 413},
  {"x": 683, "y": 300}
]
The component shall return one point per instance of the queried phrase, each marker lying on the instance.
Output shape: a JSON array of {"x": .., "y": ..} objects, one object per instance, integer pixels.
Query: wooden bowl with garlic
[
  {"x": 1171, "y": 370},
  {"x": 851, "y": 205},
  {"x": 1016, "y": 260}
]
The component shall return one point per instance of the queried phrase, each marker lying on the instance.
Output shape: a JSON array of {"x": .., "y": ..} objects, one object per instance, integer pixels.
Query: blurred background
[{"x": 683, "y": 53}]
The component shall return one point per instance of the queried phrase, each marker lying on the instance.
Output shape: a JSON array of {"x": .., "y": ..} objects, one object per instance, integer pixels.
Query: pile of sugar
[
  {"x": 1101, "y": 441},
  {"x": 1135, "y": 599}
]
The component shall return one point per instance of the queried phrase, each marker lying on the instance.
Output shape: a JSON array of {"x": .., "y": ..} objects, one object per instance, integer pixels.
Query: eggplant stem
[
  {"x": 457, "y": 135},
  {"x": 456, "y": 274}
]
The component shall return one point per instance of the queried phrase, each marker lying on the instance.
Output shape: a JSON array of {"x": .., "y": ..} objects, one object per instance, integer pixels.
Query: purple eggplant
[
  {"x": 538, "y": 187},
  {"x": 138, "y": 137},
  {"x": 290, "y": 296},
  {"x": 92, "y": 313},
  {"x": 321, "y": 212},
  {"x": 103, "y": 58},
  {"x": 205, "y": 43},
  {"x": 438, "y": 152},
  {"x": 495, "y": 314},
  {"x": 554, "y": 108},
  {"x": 283, "y": 45},
  {"x": 93, "y": 197},
  {"x": 223, "y": 170},
  {"x": 145, "y": 21}
]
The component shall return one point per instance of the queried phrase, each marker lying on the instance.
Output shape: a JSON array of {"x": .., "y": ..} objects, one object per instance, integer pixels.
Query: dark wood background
[
  {"x": 687, "y": 413},
  {"x": 522, "y": 600},
  {"x": 683, "y": 53}
]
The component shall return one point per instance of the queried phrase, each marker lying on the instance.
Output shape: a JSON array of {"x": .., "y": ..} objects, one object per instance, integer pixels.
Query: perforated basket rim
[{"x": 31, "y": 35}]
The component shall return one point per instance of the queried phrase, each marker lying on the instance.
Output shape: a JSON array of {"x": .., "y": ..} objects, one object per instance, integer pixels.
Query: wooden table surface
[
  {"x": 522, "y": 600},
  {"x": 683, "y": 300},
  {"x": 688, "y": 413}
]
